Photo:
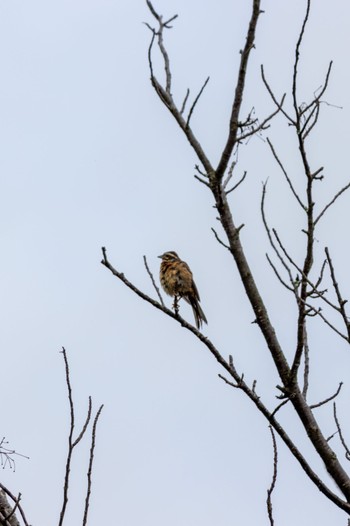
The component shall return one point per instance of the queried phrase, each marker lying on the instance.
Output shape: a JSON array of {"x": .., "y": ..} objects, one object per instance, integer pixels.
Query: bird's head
[{"x": 169, "y": 256}]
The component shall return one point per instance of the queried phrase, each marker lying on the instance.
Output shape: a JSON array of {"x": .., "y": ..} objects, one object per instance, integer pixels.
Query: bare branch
[
  {"x": 91, "y": 460},
  {"x": 314, "y": 406},
  {"x": 219, "y": 240},
  {"x": 237, "y": 184},
  {"x": 71, "y": 443},
  {"x": 153, "y": 282},
  {"x": 342, "y": 440},
  {"x": 202, "y": 181},
  {"x": 163, "y": 51},
  {"x": 288, "y": 287},
  {"x": 239, "y": 380},
  {"x": 306, "y": 364},
  {"x": 273, "y": 245},
  {"x": 185, "y": 101},
  {"x": 274, "y": 478},
  {"x": 285, "y": 174},
  {"x": 237, "y": 102},
  {"x": 341, "y": 301},
  {"x": 195, "y": 102},
  {"x": 317, "y": 99},
  {"x": 297, "y": 56},
  {"x": 273, "y": 97},
  {"x": 346, "y": 187},
  {"x": 285, "y": 401},
  {"x": 263, "y": 124}
]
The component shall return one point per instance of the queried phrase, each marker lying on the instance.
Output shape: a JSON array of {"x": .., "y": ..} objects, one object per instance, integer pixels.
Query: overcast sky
[{"x": 89, "y": 157}]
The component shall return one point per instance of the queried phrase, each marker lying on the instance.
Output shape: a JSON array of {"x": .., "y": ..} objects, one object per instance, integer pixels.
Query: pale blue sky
[{"x": 89, "y": 157}]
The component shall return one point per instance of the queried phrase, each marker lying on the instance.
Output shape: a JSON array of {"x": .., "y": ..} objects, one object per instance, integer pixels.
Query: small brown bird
[{"x": 177, "y": 281}]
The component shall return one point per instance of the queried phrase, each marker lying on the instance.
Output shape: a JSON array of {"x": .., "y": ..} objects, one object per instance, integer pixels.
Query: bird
[{"x": 177, "y": 280}]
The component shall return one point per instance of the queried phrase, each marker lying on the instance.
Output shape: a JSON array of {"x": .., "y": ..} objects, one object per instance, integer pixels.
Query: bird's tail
[{"x": 198, "y": 313}]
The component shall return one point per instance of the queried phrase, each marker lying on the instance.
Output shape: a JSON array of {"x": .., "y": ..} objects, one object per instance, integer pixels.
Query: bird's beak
[{"x": 159, "y": 257}]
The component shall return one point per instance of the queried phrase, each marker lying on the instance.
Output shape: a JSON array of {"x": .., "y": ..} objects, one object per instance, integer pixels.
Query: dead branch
[
  {"x": 341, "y": 301},
  {"x": 237, "y": 184},
  {"x": 219, "y": 240},
  {"x": 273, "y": 97},
  {"x": 91, "y": 460},
  {"x": 346, "y": 187},
  {"x": 185, "y": 101},
  {"x": 263, "y": 124},
  {"x": 274, "y": 478},
  {"x": 153, "y": 282},
  {"x": 341, "y": 436},
  {"x": 229, "y": 367},
  {"x": 71, "y": 443},
  {"x": 285, "y": 174},
  {"x": 237, "y": 102},
  {"x": 306, "y": 364},
  {"x": 314, "y": 406},
  {"x": 195, "y": 102}
]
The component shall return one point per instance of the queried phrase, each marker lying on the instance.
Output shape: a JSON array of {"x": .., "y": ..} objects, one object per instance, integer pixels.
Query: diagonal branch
[
  {"x": 285, "y": 174},
  {"x": 153, "y": 282},
  {"x": 346, "y": 187},
  {"x": 237, "y": 102},
  {"x": 297, "y": 399},
  {"x": 329, "y": 399},
  {"x": 195, "y": 102}
]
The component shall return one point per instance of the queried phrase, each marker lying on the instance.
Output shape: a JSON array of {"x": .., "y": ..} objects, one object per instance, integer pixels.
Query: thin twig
[
  {"x": 237, "y": 184},
  {"x": 219, "y": 240},
  {"x": 297, "y": 55},
  {"x": 285, "y": 401},
  {"x": 280, "y": 279},
  {"x": 91, "y": 460},
  {"x": 285, "y": 174},
  {"x": 331, "y": 202},
  {"x": 273, "y": 97},
  {"x": 342, "y": 440},
  {"x": 185, "y": 101},
  {"x": 274, "y": 478},
  {"x": 306, "y": 364},
  {"x": 71, "y": 443},
  {"x": 341, "y": 301},
  {"x": 163, "y": 51},
  {"x": 273, "y": 245},
  {"x": 314, "y": 406},
  {"x": 263, "y": 124},
  {"x": 201, "y": 180},
  {"x": 195, "y": 102},
  {"x": 237, "y": 102},
  {"x": 153, "y": 281}
]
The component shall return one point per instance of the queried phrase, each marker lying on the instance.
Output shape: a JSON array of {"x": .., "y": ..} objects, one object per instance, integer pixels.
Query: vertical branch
[
  {"x": 237, "y": 102},
  {"x": 70, "y": 440},
  {"x": 91, "y": 459},
  {"x": 71, "y": 443},
  {"x": 274, "y": 478}
]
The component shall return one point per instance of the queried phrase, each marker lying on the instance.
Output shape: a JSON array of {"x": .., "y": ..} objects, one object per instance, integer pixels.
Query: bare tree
[{"x": 316, "y": 294}]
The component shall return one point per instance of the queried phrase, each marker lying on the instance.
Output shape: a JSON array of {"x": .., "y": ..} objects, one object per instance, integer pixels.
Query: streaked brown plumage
[{"x": 177, "y": 281}]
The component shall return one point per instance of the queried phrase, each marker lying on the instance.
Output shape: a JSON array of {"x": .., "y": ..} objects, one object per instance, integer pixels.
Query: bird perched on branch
[{"x": 177, "y": 281}]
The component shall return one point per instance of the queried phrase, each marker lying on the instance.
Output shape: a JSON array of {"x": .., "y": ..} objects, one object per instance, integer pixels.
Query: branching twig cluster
[{"x": 73, "y": 442}]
